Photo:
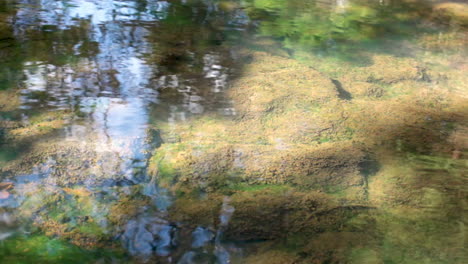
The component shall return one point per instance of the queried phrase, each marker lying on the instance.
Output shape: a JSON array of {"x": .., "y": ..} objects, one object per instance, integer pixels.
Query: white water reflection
[
  {"x": 112, "y": 89},
  {"x": 117, "y": 116},
  {"x": 67, "y": 13},
  {"x": 119, "y": 68},
  {"x": 215, "y": 72}
]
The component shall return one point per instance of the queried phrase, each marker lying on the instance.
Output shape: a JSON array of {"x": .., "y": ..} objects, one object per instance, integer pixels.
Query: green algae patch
[
  {"x": 193, "y": 211},
  {"x": 74, "y": 217},
  {"x": 162, "y": 165},
  {"x": 127, "y": 207},
  {"x": 42, "y": 249},
  {"x": 244, "y": 187},
  {"x": 80, "y": 217},
  {"x": 412, "y": 235}
]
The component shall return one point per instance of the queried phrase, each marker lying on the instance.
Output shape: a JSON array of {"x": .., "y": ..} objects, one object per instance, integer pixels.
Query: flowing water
[{"x": 242, "y": 131}]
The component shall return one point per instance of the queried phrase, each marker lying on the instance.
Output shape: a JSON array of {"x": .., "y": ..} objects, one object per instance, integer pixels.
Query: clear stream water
[{"x": 110, "y": 70}]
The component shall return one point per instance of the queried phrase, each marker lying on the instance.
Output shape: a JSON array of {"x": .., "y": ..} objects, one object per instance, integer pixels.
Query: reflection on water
[
  {"x": 106, "y": 76},
  {"x": 112, "y": 91},
  {"x": 93, "y": 77},
  {"x": 121, "y": 68}
]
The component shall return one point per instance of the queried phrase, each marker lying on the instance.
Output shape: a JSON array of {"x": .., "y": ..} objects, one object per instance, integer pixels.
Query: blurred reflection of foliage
[
  {"x": 8, "y": 47},
  {"x": 334, "y": 27},
  {"x": 190, "y": 31}
]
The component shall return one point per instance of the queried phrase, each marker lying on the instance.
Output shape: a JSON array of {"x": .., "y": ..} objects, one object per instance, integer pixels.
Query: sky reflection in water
[{"x": 112, "y": 92}]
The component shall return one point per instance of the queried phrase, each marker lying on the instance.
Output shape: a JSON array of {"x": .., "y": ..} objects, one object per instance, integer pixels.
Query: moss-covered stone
[
  {"x": 292, "y": 212},
  {"x": 292, "y": 132},
  {"x": 452, "y": 11}
]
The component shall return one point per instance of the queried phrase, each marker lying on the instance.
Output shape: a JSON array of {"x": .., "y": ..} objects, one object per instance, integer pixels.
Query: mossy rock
[
  {"x": 452, "y": 12},
  {"x": 271, "y": 83},
  {"x": 287, "y": 212},
  {"x": 306, "y": 166}
]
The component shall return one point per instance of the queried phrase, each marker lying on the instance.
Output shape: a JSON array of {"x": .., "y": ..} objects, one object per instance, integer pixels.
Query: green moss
[
  {"x": 127, "y": 207},
  {"x": 245, "y": 187},
  {"x": 162, "y": 163},
  {"x": 324, "y": 140},
  {"x": 91, "y": 229},
  {"x": 418, "y": 240},
  {"x": 365, "y": 256},
  {"x": 42, "y": 249}
]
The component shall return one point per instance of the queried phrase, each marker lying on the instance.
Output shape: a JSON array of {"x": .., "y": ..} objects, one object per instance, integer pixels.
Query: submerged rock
[
  {"x": 452, "y": 11},
  {"x": 289, "y": 131},
  {"x": 272, "y": 83},
  {"x": 288, "y": 211}
]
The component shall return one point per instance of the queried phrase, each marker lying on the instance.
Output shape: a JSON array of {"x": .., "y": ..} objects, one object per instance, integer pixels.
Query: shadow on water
[{"x": 94, "y": 92}]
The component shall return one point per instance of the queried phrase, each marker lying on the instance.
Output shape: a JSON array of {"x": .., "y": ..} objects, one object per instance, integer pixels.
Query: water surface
[{"x": 144, "y": 131}]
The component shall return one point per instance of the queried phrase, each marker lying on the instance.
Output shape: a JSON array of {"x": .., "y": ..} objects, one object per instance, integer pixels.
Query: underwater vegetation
[{"x": 253, "y": 131}]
